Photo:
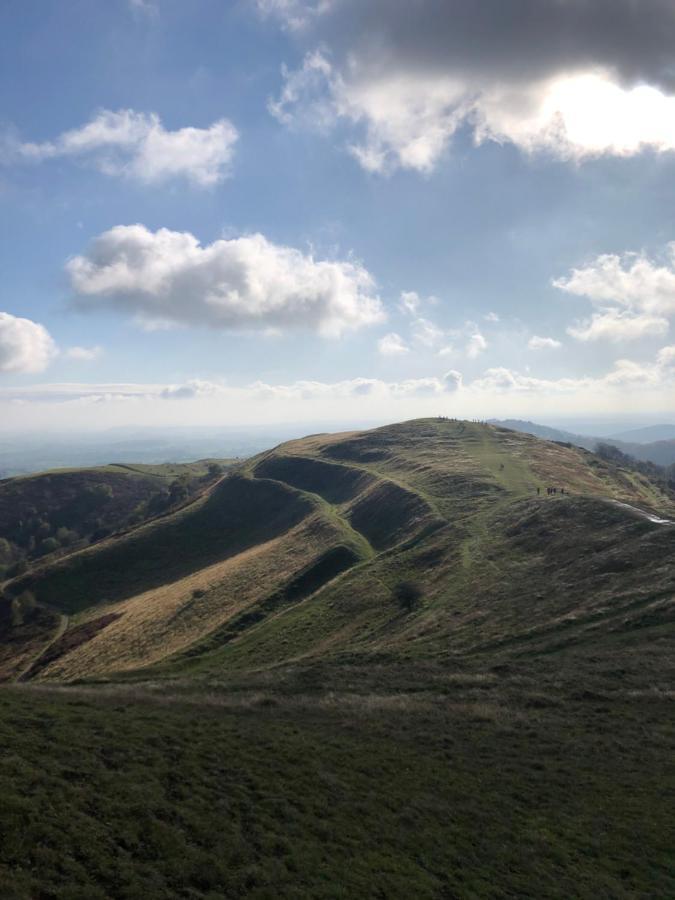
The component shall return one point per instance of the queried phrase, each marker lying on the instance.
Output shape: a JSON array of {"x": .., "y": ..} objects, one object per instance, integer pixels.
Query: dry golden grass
[{"x": 161, "y": 622}]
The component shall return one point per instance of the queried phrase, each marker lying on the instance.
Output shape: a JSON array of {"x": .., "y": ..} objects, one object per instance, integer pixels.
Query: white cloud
[
  {"x": 136, "y": 145},
  {"x": 167, "y": 278},
  {"x": 632, "y": 281},
  {"x": 294, "y": 14},
  {"x": 615, "y": 325},
  {"x": 410, "y": 302},
  {"x": 195, "y": 387},
  {"x": 392, "y": 344},
  {"x": 452, "y": 380},
  {"x": 543, "y": 343},
  {"x": 303, "y": 100},
  {"x": 427, "y": 333},
  {"x": 25, "y": 346},
  {"x": 634, "y": 295},
  {"x": 665, "y": 358},
  {"x": 579, "y": 115},
  {"x": 475, "y": 345},
  {"x": 491, "y": 317},
  {"x": 84, "y": 354}
]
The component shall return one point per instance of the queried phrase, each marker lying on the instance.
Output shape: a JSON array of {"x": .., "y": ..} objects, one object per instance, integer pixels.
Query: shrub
[{"x": 408, "y": 594}]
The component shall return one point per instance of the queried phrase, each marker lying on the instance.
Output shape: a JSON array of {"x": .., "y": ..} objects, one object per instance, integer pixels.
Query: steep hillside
[{"x": 307, "y": 551}]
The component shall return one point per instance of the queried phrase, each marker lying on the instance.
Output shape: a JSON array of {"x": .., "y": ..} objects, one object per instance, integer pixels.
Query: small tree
[{"x": 408, "y": 594}]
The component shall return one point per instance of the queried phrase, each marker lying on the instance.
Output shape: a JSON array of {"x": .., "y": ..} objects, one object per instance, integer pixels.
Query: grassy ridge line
[
  {"x": 190, "y": 660},
  {"x": 345, "y": 536}
]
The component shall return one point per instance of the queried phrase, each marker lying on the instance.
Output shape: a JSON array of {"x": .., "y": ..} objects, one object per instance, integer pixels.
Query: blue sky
[{"x": 371, "y": 215}]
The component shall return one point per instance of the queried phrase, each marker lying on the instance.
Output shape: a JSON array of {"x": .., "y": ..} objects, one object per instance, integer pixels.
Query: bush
[
  {"x": 6, "y": 552},
  {"x": 66, "y": 536},
  {"x": 408, "y": 594},
  {"x": 23, "y": 608},
  {"x": 49, "y": 545}
]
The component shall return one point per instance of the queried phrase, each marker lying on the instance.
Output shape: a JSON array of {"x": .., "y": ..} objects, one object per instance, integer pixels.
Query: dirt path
[
  {"x": 651, "y": 517},
  {"x": 58, "y": 634}
]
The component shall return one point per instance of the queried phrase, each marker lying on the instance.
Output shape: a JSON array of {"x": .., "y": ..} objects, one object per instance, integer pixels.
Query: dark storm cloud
[{"x": 511, "y": 39}]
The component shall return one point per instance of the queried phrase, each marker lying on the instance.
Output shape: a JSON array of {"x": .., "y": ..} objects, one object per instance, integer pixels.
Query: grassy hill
[
  {"x": 411, "y": 630},
  {"x": 299, "y": 553}
]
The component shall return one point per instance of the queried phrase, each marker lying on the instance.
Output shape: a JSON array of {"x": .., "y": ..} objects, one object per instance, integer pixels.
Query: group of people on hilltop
[{"x": 552, "y": 490}]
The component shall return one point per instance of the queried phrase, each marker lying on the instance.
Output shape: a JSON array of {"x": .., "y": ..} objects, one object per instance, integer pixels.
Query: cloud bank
[{"x": 574, "y": 78}]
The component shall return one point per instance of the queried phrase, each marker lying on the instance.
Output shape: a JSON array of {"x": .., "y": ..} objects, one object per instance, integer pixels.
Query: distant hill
[
  {"x": 660, "y": 452},
  {"x": 647, "y": 435},
  {"x": 546, "y": 432}
]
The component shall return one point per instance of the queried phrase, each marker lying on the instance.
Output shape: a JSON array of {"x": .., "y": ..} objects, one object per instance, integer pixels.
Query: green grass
[{"x": 353, "y": 797}]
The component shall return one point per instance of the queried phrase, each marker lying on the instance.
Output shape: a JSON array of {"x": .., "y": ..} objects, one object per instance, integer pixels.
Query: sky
[{"x": 227, "y": 213}]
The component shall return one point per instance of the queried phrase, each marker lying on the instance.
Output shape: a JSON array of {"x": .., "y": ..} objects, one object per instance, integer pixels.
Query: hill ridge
[{"x": 266, "y": 564}]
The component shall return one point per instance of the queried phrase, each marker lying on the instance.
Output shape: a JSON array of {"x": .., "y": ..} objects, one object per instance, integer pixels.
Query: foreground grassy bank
[{"x": 113, "y": 793}]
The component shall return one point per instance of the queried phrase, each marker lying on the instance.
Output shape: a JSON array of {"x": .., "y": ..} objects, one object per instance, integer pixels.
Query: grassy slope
[
  {"x": 440, "y": 502},
  {"x": 87, "y": 502}
]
